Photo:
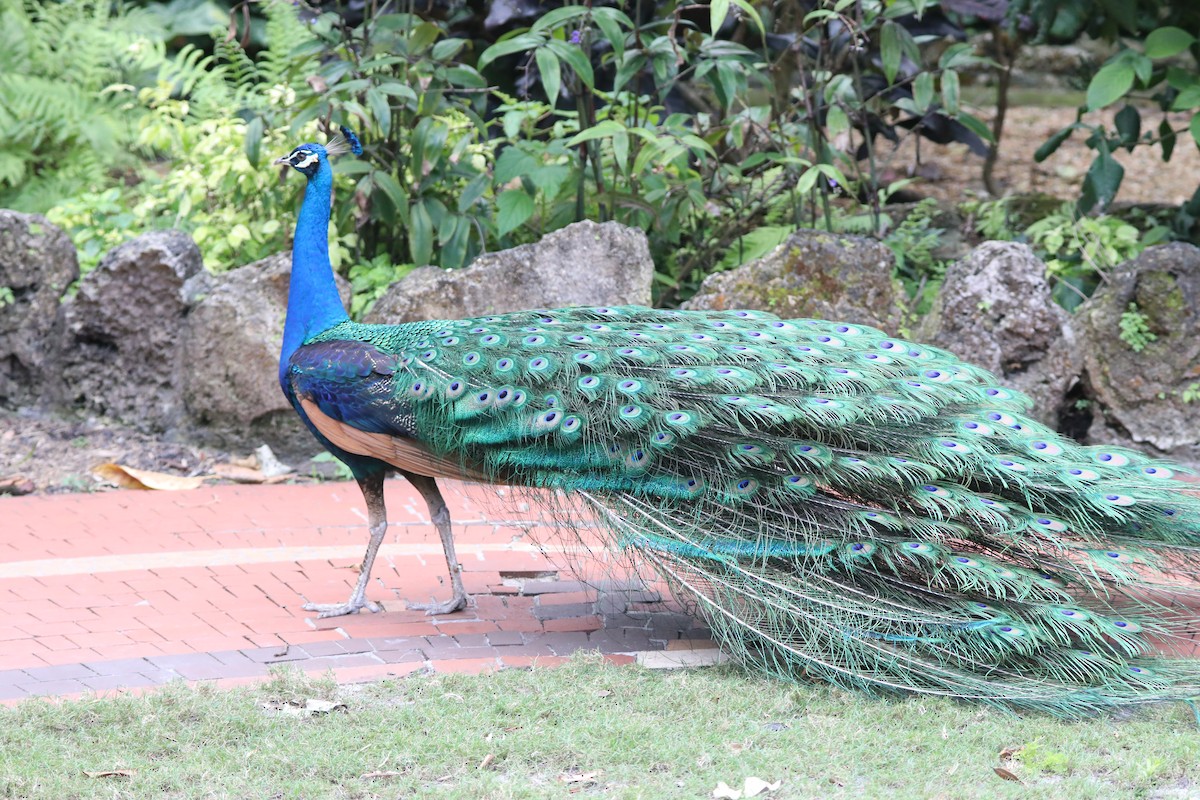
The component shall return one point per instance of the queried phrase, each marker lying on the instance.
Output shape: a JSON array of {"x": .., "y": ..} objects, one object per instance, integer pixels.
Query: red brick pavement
[{"x": 128, "y": 590}]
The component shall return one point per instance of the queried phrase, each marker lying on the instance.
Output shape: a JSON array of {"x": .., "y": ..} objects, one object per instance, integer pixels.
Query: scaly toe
[
  {"x": 341, "y": 609},
  {"x": 446, "y": 607}
]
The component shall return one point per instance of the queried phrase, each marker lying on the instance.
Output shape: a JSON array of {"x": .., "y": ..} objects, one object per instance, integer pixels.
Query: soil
[{"x": 48, "y": 454}]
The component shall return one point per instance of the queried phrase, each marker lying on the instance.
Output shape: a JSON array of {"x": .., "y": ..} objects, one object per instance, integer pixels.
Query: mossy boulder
[
  {"x": 1145, "y": 387},
  {"x": 813, "y": 274}
]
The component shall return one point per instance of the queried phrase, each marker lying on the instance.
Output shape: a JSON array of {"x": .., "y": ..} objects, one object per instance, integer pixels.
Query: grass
[{"x": 588, "y": 729}]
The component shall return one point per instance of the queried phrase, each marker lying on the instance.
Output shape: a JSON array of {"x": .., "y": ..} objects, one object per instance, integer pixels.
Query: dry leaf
[
  {"x": 726, "y": 792},
  {"x": 111, "y": 773},
  {"x": 238, "y": 473},
  {"x": 487, "y": 761},
  {"x": 130, "y": 478},
  {"x": 249, "y": 462},
  {"x": 1008, "y": 776},
  {"x": 753, "y": 787},
  {"x": 16, "y": 485},
  {"x": 604, "y": 693},
  {"x": 1007, "y": 753}
]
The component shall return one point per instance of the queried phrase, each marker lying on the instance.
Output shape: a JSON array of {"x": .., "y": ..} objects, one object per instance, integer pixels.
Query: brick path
[{"x": 129, "y": 590}]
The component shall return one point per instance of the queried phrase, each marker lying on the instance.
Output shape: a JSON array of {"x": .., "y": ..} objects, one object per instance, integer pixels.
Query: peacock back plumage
[{"x": 835, "y": 502}]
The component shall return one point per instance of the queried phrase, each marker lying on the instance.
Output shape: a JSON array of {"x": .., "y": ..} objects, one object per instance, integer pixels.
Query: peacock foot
[
  {"x": 352, "y": 606},
  {"x": 456, "y": 603}
]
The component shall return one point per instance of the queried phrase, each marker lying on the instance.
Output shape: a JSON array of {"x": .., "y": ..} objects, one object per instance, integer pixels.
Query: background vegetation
[{"x": 718, "y": 128}]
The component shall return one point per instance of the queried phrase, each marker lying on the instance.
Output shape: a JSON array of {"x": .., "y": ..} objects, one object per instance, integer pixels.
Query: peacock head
[{"x": 307, "y": 158}]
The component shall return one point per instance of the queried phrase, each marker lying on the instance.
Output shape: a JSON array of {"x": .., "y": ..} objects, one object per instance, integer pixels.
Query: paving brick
[
  {"x": 53, "y": 687},
  {"x": 59, "y": 672},
  {"x": 563, "y": 611},
  {"x": 414, "y": 655},
  {"x": 592, "y": 623},
  {"x": 505, "y": 638},
  {"x": 106, "y": 683},
  {"x": 465, "y": 627},
  {"x": 275, "y": 655}
]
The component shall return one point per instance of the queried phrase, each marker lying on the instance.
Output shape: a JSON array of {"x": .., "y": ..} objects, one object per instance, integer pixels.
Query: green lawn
[{"x": 588, "y": 729}]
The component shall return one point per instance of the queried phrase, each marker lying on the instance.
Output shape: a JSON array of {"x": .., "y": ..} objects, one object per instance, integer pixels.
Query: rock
[
  {"x": 813, "y": 274},
  {"x": 120, "y": 348},
  {"x": 231, "y": 344},
  {"x": 583, "y": 264},
  {"x": 994, "y": 310},
  {"x": 1148, "y": 398},
  {"x": 37, "y": 264}
]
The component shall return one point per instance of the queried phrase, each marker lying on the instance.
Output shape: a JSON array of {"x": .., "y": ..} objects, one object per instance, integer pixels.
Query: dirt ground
[{"x": 51, "y": 454}]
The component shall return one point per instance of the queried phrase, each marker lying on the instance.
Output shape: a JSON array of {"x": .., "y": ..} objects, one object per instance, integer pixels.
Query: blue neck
[{"x": 313, "y": 301}]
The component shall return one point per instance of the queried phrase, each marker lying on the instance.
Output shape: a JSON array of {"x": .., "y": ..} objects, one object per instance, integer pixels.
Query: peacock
[{"x": 834, "y": 502}]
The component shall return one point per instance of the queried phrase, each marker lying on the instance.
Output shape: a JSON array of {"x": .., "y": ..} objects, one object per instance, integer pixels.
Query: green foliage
[
  {"x": 6, "y": 296},
  {"x": 913, "y": 243},
  {"x": 1134, "y": 76},
  {"x": 1191, "y": 393},
  {"x": 1039, "y": 758},
  {"x": 65, "y": 119},
  {"x": 370, "y": 279},
  {"x": 1079, "y": 251},
  {"x": 1135, "y": 329}
]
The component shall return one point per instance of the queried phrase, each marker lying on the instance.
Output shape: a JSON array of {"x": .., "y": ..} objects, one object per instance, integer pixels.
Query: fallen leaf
[
  {"x": 753, "y": 787},
  {"x": 487, "y": 761},
  {"x": 111, "y": 773},
  {"x": 604, "y": 693},
  {"x": 16, "y": 485},
  {"x": 1007, "y": 753},
  {"x": 726, "y": 792},
  {"x": 130, "y": 478},
  {"x": 249, "y": 462},
  {"x": 1003, "y": 773},
  {"x": 238, "y": 473},
  {"x": 270, "y": 465}
]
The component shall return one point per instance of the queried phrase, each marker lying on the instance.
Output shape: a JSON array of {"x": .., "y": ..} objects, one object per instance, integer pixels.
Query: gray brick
[
  {"x": 472, "y": 639},
  {"x": 563, "y": 611},
  {"x": 505, "y": 638},
  {"x": 396, "y": 643},
  {"x": 275, "y": 654},
  {"x": 119, "y": 666},
  {"x": 400, "y": 656},
  {"x": 106, "y": 683},
  {"x": 59, "y": 672},
  {"x": 53, "y": 687},
  {"x": 552, "y": 587}
]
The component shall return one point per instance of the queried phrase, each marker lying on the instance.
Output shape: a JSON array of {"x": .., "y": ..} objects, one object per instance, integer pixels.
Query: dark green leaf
[
  {"x": 465, "y": 76},
  {"x": 889, "y": 50},
  {"x": 1166, "y": 137},
  {"x": 950, "y": 92},
  {"x": 447, "y": 49},
  {"x": 513, "y": 163},
  {"x": 1101, "y": 182},
  {"x": 513, "y": 208},
  {"x": 1129, "y": 125},
  {"x": 1110, "y": 83},
  {"x": 551, "y": 73},
  {"x": 454, "y": 250},
  {"x": 1187, "y": 99},
  {"x": 718, "y": 10},
  {"x": 381, "y": 111},
  {"x": 391, "y": 188},
  {"x": 552, "y": 19},
  {"x": 1053, "y": 143},
  {"x": 254, "y": 138},
  {"x": 1194, "y": 127},
  {"x": 1167, "y": 42},
  {"x": 975, "y": 125},
  {"x": 610, "y": 26},
  {"x": 420, "y": 235},
  {"x": 923, "y": 91},
  {"x": 504, "y": 47},
  {"x": 471, "y": 193},
  {"x": 575, "y": 59}
]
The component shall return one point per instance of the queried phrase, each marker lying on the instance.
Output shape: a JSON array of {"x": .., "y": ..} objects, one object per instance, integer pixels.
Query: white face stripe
[{"x": 309, "y": 160}]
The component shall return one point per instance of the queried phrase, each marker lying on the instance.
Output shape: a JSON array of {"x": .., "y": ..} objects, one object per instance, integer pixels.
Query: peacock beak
[{"x": 282, "y": 160}]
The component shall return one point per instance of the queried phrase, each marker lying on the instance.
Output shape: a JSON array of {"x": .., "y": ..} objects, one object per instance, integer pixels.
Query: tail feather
[{"x": 834, "y": 501}]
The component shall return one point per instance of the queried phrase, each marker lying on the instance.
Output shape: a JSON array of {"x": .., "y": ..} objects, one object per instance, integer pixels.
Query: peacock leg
[
  {"x": 372, "y": 489},
  {"x": 440, "y": 515}
]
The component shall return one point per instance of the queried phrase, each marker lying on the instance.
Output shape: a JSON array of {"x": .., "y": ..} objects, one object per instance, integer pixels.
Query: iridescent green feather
[{"x": 834, "y": 501}]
